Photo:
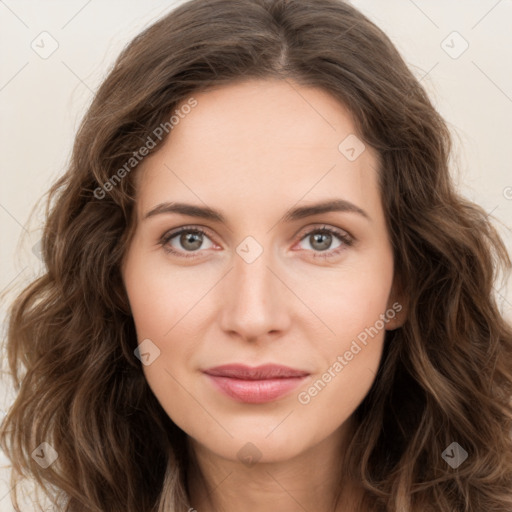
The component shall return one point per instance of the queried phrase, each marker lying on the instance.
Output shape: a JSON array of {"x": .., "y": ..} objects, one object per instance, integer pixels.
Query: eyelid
[{"x": 323, "y": 226}]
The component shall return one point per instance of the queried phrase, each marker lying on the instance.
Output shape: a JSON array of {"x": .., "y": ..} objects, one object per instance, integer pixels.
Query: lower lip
[{"x": 256, "y": 391}]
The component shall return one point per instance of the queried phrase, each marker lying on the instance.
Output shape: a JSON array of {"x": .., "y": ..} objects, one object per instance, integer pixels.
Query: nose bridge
[{"x": 253, "y": 303}]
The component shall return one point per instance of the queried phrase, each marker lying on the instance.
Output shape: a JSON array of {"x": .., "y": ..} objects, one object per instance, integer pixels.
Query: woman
[{"x": 330, "y": 340}]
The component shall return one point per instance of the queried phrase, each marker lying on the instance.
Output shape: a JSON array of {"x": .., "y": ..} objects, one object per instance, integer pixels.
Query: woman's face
[{"x": 264, "y": 285}]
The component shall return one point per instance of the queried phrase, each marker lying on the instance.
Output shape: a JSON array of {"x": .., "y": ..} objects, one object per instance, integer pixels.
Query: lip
[{"x": 255, "y": 385}]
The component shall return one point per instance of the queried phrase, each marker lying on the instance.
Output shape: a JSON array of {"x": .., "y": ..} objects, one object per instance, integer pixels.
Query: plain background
[{"x": 42, "y": 99}]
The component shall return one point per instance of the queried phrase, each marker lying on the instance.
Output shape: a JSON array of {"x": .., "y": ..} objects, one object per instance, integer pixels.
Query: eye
[
  {"x": 189, "y": 238},
  {"x": 320, "y": 239}
]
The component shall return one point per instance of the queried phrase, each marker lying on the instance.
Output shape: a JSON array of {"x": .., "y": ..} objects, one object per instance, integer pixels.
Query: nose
[{"x": 255, "y": 301}]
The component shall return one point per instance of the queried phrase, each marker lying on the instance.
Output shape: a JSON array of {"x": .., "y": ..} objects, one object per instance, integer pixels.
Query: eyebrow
[{"x": 293, "y": 214}]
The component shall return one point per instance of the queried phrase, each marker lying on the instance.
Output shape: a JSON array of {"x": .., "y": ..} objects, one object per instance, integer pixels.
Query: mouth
[{"x": 255, "y": 385}]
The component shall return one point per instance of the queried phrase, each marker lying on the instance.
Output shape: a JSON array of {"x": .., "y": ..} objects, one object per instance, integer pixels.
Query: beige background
[{"x": 43, "y": 99}]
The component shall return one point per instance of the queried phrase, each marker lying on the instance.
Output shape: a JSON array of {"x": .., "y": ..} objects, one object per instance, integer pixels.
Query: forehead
[{"x": 268, "y": 141}]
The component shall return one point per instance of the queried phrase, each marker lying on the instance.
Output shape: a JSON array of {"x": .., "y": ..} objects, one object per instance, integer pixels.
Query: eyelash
[{"x": 346, "y": 239}]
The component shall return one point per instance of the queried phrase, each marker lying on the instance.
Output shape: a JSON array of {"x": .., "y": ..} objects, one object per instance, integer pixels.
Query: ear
[{"x": 397, "y": 306}]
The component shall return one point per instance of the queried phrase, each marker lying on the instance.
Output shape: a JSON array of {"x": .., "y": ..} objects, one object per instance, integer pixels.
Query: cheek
[
  {"x": 159, "y": 295},
  {"x": 353, "y": 308},
  {"x": 163, "y": 304},
  {"x": 349, "y": 363},
  {"x": 353, "y": 299}
]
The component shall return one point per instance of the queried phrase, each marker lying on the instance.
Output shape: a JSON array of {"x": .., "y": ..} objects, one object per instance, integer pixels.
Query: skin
[{"x": 253, "y": 150}]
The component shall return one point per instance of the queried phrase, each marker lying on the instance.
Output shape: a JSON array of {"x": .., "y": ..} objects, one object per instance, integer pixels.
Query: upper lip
[{"x": 265, "y": 371}]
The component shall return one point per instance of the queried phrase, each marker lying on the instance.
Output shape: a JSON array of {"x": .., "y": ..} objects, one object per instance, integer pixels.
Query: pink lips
[{"x": 255, "y": 385}]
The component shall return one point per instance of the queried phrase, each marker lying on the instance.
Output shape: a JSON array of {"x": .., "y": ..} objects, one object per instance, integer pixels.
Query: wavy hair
[{"x": 445, "y": 375}]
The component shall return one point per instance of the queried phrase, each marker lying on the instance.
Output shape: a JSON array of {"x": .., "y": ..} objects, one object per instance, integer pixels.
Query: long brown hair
[{"x": 445, "y": 376}]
